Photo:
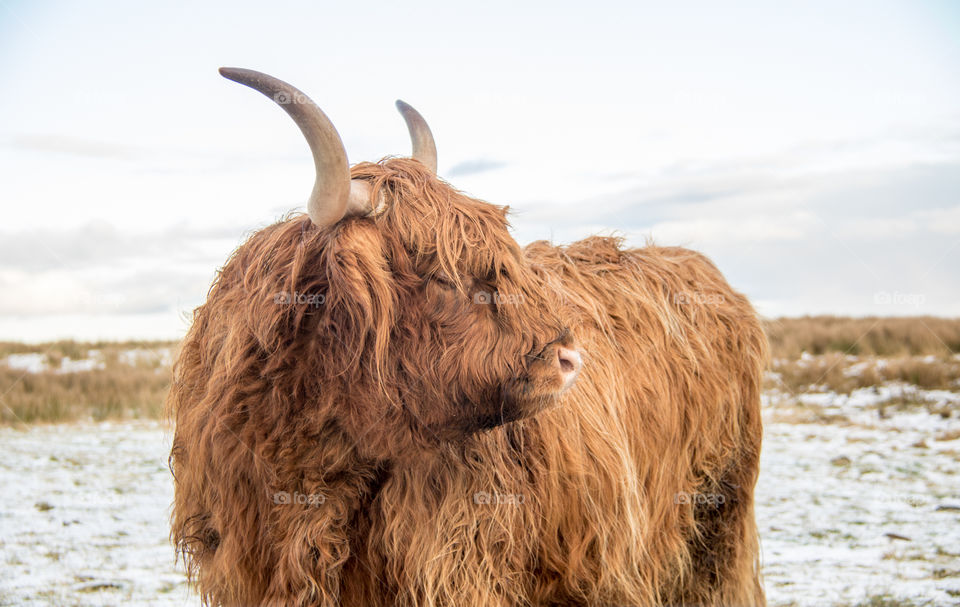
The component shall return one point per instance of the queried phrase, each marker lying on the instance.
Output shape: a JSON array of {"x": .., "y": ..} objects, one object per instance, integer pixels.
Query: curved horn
[
  {"x": 334, "y": 195},
  {"x": 424, "y": 149}
]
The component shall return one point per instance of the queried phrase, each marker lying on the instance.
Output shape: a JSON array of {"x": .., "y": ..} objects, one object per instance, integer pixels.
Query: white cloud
[
  {"x": 704, "y": 233},
  {"x": 942, "y": 220}
]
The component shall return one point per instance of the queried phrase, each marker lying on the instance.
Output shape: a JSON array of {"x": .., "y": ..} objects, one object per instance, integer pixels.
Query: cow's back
[{"x": 663, "y": 427}]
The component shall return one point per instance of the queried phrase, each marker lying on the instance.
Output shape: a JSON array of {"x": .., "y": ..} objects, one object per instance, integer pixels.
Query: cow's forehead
[{"x": 440, "y": 226}]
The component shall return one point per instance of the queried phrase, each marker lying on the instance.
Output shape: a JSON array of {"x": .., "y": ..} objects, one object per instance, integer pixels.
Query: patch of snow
[
  {"x": 31, "y": 362},
  {"x": 137, "y": 356},
  {"x": 908, "y": 409},
  {"x": 36, "y": 362},
  {"x": 68, "y": 365},
  {"x": 821, "y": 399},
  {"x": 857, "y": 369}
]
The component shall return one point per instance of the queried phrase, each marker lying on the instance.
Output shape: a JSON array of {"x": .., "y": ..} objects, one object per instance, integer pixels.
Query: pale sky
[{"x": 811, "y": 149}]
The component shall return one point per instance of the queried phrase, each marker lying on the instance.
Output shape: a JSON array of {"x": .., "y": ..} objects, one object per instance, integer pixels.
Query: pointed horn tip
[
  {"x": 402, "y": 105},
  {"x": 239, "y": 74}
]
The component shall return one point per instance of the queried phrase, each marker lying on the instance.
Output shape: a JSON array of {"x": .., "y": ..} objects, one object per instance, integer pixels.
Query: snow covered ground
[
  {"x": 855, "y": 500},
  {"x": 853, "y": 510},
  {"x": 84, "y": 516}
]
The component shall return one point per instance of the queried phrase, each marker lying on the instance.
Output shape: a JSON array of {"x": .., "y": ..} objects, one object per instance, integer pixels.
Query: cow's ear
[{"x": 361, "y": 301}]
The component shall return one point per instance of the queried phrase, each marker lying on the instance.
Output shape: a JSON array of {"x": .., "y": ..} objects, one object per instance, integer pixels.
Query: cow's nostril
[{"x": 570, "y": 362}]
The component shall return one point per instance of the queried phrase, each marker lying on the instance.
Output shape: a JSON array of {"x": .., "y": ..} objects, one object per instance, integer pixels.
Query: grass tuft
[
  {"x": 888, "y": 337},
  {"x": 130, "y": 380}
]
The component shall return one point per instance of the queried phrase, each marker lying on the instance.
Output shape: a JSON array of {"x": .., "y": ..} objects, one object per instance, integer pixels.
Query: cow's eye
[{"x": 443, "y": 280}]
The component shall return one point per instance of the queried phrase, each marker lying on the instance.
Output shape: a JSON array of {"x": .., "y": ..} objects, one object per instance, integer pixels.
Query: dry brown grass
[
  {"x": 843, "y": 374},
  {"x": 844, "y": 354},
  {"x": 122, "y": 389},
  {"x": 78, "y": 349},
  {"x": 908, "y": 336}
]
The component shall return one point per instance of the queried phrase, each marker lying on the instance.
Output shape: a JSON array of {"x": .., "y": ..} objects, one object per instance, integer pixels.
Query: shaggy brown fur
[{"x": 378, "y": 399}]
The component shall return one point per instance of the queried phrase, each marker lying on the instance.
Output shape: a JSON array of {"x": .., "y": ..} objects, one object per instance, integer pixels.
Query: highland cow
[{"x": 387, "y": 401}]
